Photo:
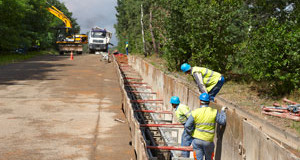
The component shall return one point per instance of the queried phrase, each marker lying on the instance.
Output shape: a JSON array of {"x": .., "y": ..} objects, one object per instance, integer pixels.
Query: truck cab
[{"x": 98, "y": 39}]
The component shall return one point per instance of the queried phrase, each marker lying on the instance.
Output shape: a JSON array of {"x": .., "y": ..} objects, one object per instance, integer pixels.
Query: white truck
[{"x": 98, "y": 39}]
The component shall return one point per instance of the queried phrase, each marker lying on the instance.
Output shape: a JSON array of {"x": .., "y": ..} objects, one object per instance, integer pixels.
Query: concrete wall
[
  {"x": 239, "y": 139},
  {"x": 138, "y": 141}
]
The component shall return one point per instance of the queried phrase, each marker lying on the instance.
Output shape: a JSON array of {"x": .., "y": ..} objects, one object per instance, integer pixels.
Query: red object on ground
[
  {"x": 171, "y": 125},
  {"x": 119, "y": 55},
  {"x": 153, "y": 111},
  {"x": 138, "y": 86},
  {"x": 190, "y": 148},
  {"x": 292, "y": 116},
  {"x": 147, "y": 101},
  {"x": 71, "y": 56},
  {"x": 289, "y": 101},
  {"x": 142, "y": 92},
  {"x": 136, "y": 83},
  {"x": 133, "y": 78},
  {"x": 283, "y": 111}
]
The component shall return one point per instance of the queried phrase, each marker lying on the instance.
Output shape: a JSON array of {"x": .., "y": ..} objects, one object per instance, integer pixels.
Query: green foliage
[
  {"x": 258, "y": 40},
  {"x": 273, "y": 55},
  {"x": 296, "y": 125},
  {"x": 23, "y": 22},
  {"x": 129, "y": 30},
  {"x": 7, "y": 58},
  {"x": 128, "y": 27},
  {"x": 204, "y": 33}
]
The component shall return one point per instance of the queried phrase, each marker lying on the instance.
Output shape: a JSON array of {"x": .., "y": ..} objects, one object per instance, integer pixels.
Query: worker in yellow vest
[
  {"x": 201, "y": 125},
  {"x": 182, "y": 113},
  {"x": 208, "y": 81},
  {"x": 126, "y": 48}
]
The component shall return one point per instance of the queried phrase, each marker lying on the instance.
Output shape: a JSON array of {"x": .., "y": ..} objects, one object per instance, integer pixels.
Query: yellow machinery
[{"x": 72, "y": 43}]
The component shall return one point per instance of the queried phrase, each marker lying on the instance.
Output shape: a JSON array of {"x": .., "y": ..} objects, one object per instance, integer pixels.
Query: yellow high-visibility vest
[
  {"x": 204, "y": 120},
  {"x": 210, "y": 78},
  {"x": 182, "y": 113},
  {"x": 37, "y": 42}
]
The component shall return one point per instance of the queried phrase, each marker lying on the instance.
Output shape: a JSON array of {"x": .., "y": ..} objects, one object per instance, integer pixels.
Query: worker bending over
[
  {"x": 201, "y": 125},
  {"x": 182, "y": 113},
  {"x": 208, "y": 81}
]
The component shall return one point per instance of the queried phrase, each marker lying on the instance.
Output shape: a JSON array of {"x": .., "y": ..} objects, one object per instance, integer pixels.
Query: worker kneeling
[
  {"x": 182, "y": 113},
  {"x": 201, "y": 125}
]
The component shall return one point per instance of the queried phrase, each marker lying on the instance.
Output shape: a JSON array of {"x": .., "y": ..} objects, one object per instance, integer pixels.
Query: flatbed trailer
[{"x": 67, "y": 47}]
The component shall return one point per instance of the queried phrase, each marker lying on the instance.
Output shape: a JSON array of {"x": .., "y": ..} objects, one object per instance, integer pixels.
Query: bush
[{"x": 272, "y": 55}]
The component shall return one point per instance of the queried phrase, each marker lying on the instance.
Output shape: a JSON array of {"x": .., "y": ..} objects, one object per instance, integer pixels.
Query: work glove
[{"x": 224, "y": 108}]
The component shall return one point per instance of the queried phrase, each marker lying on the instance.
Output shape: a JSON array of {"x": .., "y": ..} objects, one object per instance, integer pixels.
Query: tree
[
  {"x": 256, "y": 39},
  {"x": 23, "y": 22}
]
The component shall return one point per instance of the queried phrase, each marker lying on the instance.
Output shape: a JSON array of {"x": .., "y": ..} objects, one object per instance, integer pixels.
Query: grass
[
  {"x": 7, "y": 58},
  {"x": 296, "y": 126}
]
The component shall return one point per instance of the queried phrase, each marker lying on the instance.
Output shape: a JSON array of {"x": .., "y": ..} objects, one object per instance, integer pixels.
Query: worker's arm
[
  {"x": 181, "y": 117},
  {"x": 189, "y": 125},
  {"x": 221, "y": 117},
  {"x": 199, "y": 80}
]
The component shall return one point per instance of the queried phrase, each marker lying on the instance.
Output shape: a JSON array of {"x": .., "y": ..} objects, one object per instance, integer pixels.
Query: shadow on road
[{"x": 32, "y": 69}]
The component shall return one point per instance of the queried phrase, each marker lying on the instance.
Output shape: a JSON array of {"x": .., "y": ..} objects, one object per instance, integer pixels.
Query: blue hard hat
[
  {"x": 126, "y": 42},
  {"x": 185, "y": 67},
  {"x": 174, "y": 100},
  {"x": 204, "y": 97}
]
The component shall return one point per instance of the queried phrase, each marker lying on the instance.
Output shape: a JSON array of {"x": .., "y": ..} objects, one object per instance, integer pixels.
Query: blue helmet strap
[{"x": 204, "y": 102}]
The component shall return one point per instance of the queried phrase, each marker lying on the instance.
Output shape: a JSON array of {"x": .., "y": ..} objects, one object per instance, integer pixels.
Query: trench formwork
[{"x": 156, "y": 134}]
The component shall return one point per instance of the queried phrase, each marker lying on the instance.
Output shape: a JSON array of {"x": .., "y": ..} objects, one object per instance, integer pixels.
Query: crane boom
[
  {"x": 72, "y": 42},
  {"x": 61, "y": 16}
]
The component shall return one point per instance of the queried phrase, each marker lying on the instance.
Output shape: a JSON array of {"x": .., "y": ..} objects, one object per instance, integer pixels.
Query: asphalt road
[{"x": 54, "y": 108}]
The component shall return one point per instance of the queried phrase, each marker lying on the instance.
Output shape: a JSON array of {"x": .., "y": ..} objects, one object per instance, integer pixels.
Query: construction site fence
[{"x": 245, "y": 136}]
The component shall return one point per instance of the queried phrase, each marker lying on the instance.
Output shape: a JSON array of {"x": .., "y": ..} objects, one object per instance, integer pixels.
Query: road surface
[{"x": 54, "y": 108}]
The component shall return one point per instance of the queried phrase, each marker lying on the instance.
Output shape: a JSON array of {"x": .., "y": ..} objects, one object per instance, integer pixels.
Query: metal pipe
[
  {"x": 138, "y": 86},
  {"x": 153, "y": 111},
  {"x": 133, "y": 78},
  {"x": 142, "y": 92},
  {"x": 289, "y": 101},
  {"x": 171, "y": 125},
  {"x": 171, "y": 148},
  {"x": 147, "y": 101},
  {"x": 135, "y": 83}
]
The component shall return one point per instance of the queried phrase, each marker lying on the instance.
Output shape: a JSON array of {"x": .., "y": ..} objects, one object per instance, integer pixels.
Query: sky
[{"x": 91, "y": 13}]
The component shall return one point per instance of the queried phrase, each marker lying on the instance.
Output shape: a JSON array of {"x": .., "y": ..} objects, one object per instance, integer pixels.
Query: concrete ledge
[{"x": 138, "y": 141}]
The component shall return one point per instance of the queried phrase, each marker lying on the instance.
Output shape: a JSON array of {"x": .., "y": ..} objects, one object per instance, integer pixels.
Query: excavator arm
[
  {"x": 61, "y": 16},
  {"x": 73, "y": 42}
]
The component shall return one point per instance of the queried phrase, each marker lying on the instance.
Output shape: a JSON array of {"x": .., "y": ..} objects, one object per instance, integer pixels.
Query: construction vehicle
[
  {"x": 99, "y": 39},
  {"x": 71, "y": 42}
]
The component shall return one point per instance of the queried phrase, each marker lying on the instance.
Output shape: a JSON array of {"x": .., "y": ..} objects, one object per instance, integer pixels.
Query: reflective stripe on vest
[
  {"x": 208, "y": 131},
  {"x": 204, "y": 120},
  {"x": 182, "y": 113},
  {"x": 207, "y": 124},
  {"x": 212, "y": 73},
  {"x": 210, "y": 78}
]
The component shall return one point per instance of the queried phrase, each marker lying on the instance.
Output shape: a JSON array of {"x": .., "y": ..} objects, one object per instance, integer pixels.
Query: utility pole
[{"x": 142, "y": 15}]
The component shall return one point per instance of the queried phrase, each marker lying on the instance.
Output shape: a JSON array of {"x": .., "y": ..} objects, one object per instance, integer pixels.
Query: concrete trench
[{"x": 245, "y": 137}]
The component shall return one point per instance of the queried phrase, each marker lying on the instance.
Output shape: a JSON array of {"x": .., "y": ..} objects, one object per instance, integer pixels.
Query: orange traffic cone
[{"x": 71, "y": 57}]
